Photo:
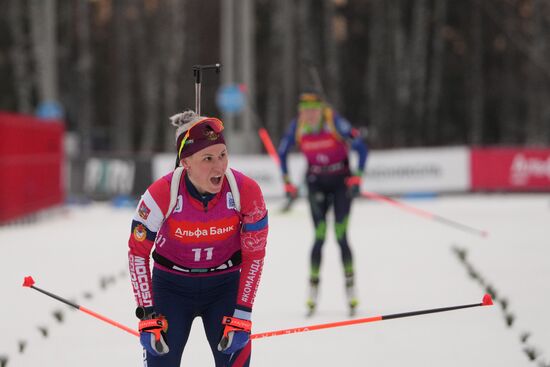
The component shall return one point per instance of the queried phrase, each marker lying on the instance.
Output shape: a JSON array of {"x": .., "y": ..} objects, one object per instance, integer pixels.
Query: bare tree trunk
[
  {"x": 331, "y": 55},
  {"x": 543, "y": 9},
  {"x": 147, "y": 35},
  {"x": 477, "y": 85},
  {"x": 274, "y": 106},
  {"x": 122, "y": 127},
  {"x": 288, "y": 63},
  {"x": 537, "y": 90},
  {"x": 246, "y": 67},
  {"x": 43, "y": 27},
  {"x": 20, "y": 58},
  {"x": 511, "y": 121},
  {"x": 379, "y": 131},
  {"x": 401, "y": 84},
  {"x": 173, "y": 52},
  {"x": 434, "y": 97},
  {"x": 419, "y": 57},
  {"x": 308, "y": 46},
  {"x": 509, "y": 104},
  {"x": 85, "y": 65}
]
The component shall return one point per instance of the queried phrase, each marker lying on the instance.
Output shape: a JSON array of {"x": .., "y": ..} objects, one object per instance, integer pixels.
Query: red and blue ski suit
[{"x": 208, "y": 259}]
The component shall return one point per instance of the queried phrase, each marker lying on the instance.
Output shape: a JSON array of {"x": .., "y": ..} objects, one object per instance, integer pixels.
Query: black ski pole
[
  {"x": 486, "y": 301},
  {"x": 29, "y": 282}
]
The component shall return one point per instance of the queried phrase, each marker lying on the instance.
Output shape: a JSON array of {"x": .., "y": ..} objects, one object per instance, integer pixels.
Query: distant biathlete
[
  {"x": 208, "y": 226},
  {"x": 324, "y": 138}
]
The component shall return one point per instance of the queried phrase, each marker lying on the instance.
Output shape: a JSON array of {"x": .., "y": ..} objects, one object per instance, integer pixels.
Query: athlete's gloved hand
[
  {"x": 152, "y": 331},
  {"x": 236, "y": 334},
  {"x": 290, "y": 190},
  {"x": 354, "y": 185}
]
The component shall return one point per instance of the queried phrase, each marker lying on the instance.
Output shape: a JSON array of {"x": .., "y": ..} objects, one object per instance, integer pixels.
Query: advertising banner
[
  {"x": 510, "y": 169},
  {"x": 411, "y": 171},
  {"x": 388, "y": 172},
  {"x": 104, "y": 177},
  {"x": 31, "y": 161}
]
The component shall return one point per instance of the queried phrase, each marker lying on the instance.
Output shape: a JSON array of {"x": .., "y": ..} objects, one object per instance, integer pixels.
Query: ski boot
[
  {"x": 351, "y": 296},
  {"x": 313, "y": 294}
]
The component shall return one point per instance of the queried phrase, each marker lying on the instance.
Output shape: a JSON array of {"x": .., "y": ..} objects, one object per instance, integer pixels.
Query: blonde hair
[{"x": 183, "y": 121}]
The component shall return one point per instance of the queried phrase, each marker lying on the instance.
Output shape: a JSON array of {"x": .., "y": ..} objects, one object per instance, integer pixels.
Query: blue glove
[
  {"x": 236, "y": 334},
  {"x": 152, "y": 331}
]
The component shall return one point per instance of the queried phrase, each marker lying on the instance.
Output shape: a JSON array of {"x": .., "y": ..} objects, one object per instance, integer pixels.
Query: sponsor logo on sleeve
[
  {"x": 230, "y": 201},
  {"x": 140, "y": 277},
  {"x": 140, "y": 233},
  {"x": 251, "y": 282},
  {"x": 144, "y": 211}
]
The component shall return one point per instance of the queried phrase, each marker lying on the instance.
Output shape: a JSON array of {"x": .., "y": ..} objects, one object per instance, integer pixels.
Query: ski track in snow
[{"x": 403, "y": 263}]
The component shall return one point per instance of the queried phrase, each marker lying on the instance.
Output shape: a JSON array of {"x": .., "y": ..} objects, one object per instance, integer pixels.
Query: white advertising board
[
  {"x": 261, "y": 168},
  {"x": 405, "y": 171},
  {"x": 388, "y": 172}
]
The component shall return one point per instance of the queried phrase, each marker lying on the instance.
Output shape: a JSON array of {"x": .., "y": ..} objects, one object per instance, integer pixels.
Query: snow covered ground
[{"x": 404, "y": 263}]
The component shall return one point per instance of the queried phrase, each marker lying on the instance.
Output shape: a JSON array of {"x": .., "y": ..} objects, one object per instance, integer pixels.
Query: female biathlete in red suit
[{"x": 207, "y": 227}]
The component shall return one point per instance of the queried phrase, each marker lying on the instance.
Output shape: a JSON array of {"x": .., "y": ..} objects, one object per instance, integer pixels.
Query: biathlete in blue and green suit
[{"x": 325, "y": 139}]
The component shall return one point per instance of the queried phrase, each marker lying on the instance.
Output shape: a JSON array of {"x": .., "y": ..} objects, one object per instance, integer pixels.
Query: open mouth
[{"x": 216, "y": 180}]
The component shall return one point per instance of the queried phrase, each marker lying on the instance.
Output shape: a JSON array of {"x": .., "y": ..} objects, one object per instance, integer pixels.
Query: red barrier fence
[
  {"x": 31, "y": 159},
  {"x": 510, "y": 169}
]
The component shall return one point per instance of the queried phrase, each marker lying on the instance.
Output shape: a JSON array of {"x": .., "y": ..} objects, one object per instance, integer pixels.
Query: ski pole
[
  {"x": 197, "y": 70},
  {"x": 487, "y": 301},
  {"x": 29, "y": 282},
  {"x": 270, "y": 148},
  {"x": 424, "y": 213},
  {"x": 268, "y": 144}
]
